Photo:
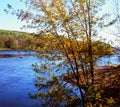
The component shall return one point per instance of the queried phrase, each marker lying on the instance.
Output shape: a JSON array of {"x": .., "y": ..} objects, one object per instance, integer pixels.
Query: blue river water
[
  {"x": 107, "y": 60},
  {"x": 17, "y": 78},
  {"x": 17, "y": 81}
]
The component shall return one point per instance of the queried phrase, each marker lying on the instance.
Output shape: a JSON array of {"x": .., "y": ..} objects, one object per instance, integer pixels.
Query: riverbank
[
  {"x": 4, "y": 49},
  {"x": 9, "y": 49},
  {"x": 107, "y": 78}
]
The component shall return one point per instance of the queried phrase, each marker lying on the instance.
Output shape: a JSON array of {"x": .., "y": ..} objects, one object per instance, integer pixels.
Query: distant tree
[
  {"x": 16, "y": 44},
  {"x": 11, "y": 42},
  {"x": 1, "y": 42}
]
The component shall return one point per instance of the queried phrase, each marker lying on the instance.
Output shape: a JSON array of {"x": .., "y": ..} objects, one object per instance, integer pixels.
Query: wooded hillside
[{"x": 15, "y": 40}]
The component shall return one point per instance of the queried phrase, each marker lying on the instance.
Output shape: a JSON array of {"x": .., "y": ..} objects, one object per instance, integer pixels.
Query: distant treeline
[{"x": 15, "y": 40}]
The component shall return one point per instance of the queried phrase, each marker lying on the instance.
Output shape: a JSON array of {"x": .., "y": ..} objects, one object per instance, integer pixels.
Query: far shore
[
  {"x": 8, "y": 49},
  {"x": 5, "y": 49}
]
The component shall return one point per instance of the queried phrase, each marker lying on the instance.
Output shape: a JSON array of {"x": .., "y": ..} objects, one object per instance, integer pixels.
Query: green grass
[{"x": 5, "y": 49}]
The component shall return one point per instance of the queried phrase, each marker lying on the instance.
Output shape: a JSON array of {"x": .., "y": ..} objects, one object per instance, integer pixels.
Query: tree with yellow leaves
[{"x": 77, "y": 21}]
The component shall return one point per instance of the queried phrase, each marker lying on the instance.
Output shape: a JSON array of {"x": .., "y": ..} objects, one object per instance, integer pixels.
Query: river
[{"x": 17, "y": 77}]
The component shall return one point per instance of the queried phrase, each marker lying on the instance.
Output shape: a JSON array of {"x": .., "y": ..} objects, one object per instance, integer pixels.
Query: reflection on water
[
  {"x": 20, "y": 54},
  {"x": 16, "y": 52},
  {"x": 16, "y": 81}
]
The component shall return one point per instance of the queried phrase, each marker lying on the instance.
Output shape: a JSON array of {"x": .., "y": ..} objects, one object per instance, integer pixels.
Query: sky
[{"x": 10, "y": 22}]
